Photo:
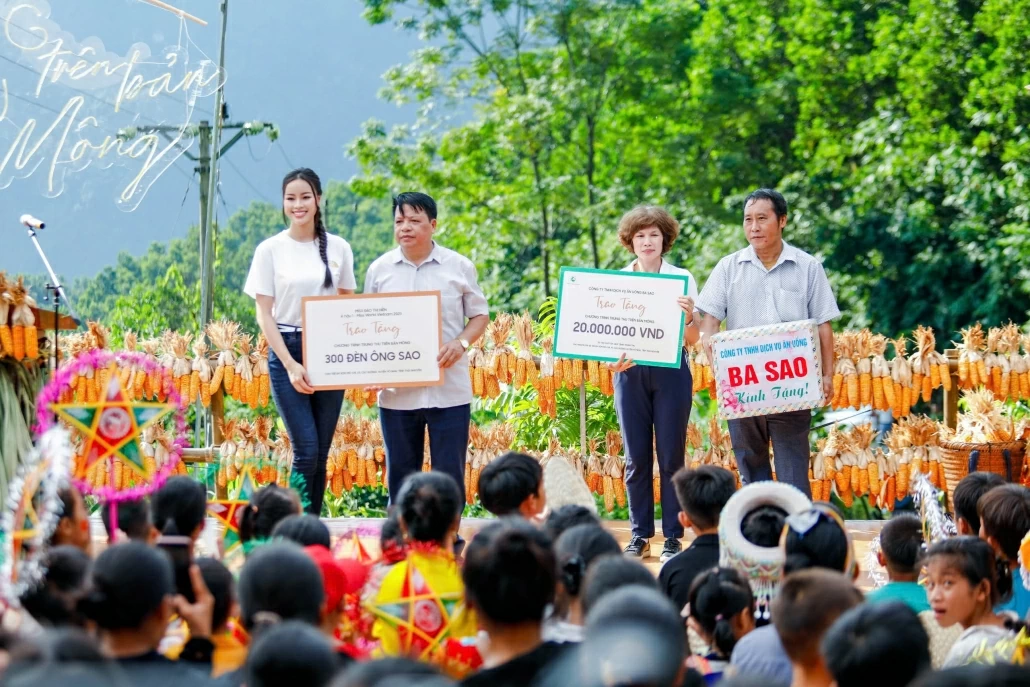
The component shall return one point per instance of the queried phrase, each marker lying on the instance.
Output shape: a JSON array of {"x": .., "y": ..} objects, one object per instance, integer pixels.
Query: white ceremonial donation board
[
  {"x": 384, "y": 339},
  {"x": 603, "y": 314},
  {"x": 775, "y": 368}
]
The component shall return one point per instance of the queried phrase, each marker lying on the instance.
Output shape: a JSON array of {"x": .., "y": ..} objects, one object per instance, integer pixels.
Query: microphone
[{"x": 32, "y": 222}]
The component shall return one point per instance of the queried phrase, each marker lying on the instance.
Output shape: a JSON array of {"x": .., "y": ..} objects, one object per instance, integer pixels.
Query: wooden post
[
  {"x": 951, "y": 395},
  {"x": 583, "y": 417},
  {"x": 217, "y": 415}
]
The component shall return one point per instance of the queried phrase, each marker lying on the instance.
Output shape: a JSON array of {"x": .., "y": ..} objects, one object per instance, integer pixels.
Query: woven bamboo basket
[{"x": 960, "y": 458}]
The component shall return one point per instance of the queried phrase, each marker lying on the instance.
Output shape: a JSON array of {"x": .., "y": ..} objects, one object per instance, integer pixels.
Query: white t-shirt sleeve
[
  {"x": 261, "y": 278},
  {"x": 346, "y": 278}
]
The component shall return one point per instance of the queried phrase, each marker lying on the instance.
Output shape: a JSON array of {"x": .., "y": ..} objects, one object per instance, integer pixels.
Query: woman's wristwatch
[{"x": 464, "y": 343}]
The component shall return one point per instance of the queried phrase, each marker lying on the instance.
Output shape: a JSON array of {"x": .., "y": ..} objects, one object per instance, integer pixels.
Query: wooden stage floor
[{"x": 862, "y": 533}]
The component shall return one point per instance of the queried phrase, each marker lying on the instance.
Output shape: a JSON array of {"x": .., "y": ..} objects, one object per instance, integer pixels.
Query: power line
[
  {"x": 282, "y": 151},
  {"x": 245, "y": 179}
]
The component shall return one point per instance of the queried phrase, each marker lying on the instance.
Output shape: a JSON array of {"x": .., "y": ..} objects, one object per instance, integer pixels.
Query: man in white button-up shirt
[
  {"x": 420, "y": 264},
  {"x": 770, "y": 282}
]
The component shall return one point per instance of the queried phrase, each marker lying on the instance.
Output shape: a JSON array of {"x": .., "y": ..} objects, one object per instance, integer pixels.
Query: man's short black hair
[
  {"x": 419, "y": 202},
  {"x": 703, "y": 492},
  {"x": 1005, "y": 516},
  {"x": 779, "y": 203},
  {"x": 967, "y": 496},
  {"x": 507, "y": 481},
  {"x": 901, "y": 541},
  {"x": 882, "y": 644}
]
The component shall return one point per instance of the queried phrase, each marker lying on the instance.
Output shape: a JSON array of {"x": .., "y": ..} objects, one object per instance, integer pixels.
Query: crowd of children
[{"x": 539, "y": 597}]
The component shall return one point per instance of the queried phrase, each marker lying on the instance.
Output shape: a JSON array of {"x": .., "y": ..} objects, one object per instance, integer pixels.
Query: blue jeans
[
  {"x": 404, "y": 433},
  {"x": 310, "y": 420},
  {"x": 653, "y": 406}
]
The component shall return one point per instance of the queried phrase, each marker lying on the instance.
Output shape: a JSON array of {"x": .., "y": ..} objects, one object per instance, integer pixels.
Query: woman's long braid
[{"x": 323, "y": 240}]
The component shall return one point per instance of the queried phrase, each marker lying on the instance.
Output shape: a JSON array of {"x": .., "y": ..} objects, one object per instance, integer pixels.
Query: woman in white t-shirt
[
  {"x": 653, "y": 403},
  {"x": 303, "y": 260}
]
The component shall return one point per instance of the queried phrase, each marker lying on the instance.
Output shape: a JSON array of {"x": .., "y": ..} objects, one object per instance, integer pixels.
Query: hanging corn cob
[
  {"x": 284, "y": 459},
  {"x": 993, "y": 363},
  {"x": 1024, "y": 376},
  {"x": 6, "y": 301},
  {"x": 883, "y": 388},
  {"x": 547, "y": 384},
  {"x": 901, "y": 374},
  {"x": 525, "y": 367},
  {"x": 477, "y": 367},
  {"x": 970, "y": 359},
  {"x": 694, "y": 454},
  {"x": 816, "y": 473},
  {"x": 202, "y": 372},
  {"x": 261, "y": 371},
  {"x": 864, "y": 367},
  {"x": 23, "y": 322}
]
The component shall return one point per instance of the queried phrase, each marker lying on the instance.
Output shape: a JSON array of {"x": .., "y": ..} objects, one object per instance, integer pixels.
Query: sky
[{"x": 312, "y": 67}]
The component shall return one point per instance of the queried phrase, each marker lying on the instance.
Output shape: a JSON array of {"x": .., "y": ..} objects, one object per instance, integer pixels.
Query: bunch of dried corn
[
  {"x": 283, "y": 459},
  {"x": 503, "y": 364},
  {"x": 972, "y": 369},
  {"x": 883, "y": 385},
  {"x": 929, "y": 367},
  {"x": 227, "y": 471},
  {"x": 222, "y": 335},
  {"x": 547, "y": 384},
  {"x": 846, "y": 384},
  {"x": 525, "y": 367},
  {"x": 6, "y": 302},
  {"x": 18, "y": 337},
  {"x": 201, "y": 374},
  {"x": 700, "y": 368}
]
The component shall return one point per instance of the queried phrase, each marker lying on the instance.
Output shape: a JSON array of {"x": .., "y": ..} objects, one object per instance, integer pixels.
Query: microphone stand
[{"x": 53, "y": 287}]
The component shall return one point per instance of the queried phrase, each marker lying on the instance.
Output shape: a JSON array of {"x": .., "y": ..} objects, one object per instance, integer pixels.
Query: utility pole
[{"x": 211, "y": 151}]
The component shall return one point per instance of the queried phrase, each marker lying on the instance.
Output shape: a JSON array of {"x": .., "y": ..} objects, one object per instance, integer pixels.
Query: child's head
[
  {"x": 702, "y": 493},
  {"x": 764, "y": 525},
  {"x": 179, "y": 507},
  {"x": 372, "y": 673},
  {"x": 1005, "y": 519},
  {"x": 291, "y": 653},
  {"x": 634, "y": 636},
  {"x": 280, "y": 582},
  {"x": 612, "y": 572},
  {"x": 269, "y": 506},
  {"x": 429, "y": 506},
  {"x": 73, "y": 526},
  {"x": 220, "y": 583},
  {"x": 901, "y": 547},
  {"x": 964, "y": 581},
  {"x": 53, "y": 602},
  {"x": 133, "y": 519},
  {"x": 877, "y": 644},
  {"x": 575, "y": 551},
  {"x": 132, "y": 587},
  {"x": 809, "y": 602},
  {"x": 391, "y": 538},
  {"x": 513, "y": 484},
  {"x": 509, "y": 574},
  {"x": 721, "y": 608},
  {"x": 305, "y": 529},
  {"x": 966, "y": 497},
  {"x": 567, "y": 517},
  {"x": 817, "y": 538}
]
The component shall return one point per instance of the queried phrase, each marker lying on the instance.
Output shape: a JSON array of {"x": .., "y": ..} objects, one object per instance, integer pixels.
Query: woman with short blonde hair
[{"x": 653, "y": 403}]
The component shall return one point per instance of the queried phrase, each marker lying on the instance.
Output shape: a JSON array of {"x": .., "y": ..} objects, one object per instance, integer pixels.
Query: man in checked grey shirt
[{"x": 770, "y": 282}]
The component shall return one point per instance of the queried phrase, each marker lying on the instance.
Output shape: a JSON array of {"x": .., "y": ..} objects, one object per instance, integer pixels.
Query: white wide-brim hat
[{"x": 763, "y": 566}]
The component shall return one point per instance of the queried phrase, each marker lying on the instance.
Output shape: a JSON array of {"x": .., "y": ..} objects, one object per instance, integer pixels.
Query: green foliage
[
  {"x": 897, "y": 130},
  {"x": 19, "y": 385}
]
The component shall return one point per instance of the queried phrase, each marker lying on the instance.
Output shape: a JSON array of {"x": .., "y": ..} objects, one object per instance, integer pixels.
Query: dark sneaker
[
  {"x": 671, "y": 548},
  {"x": 638, "y": 547}
]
